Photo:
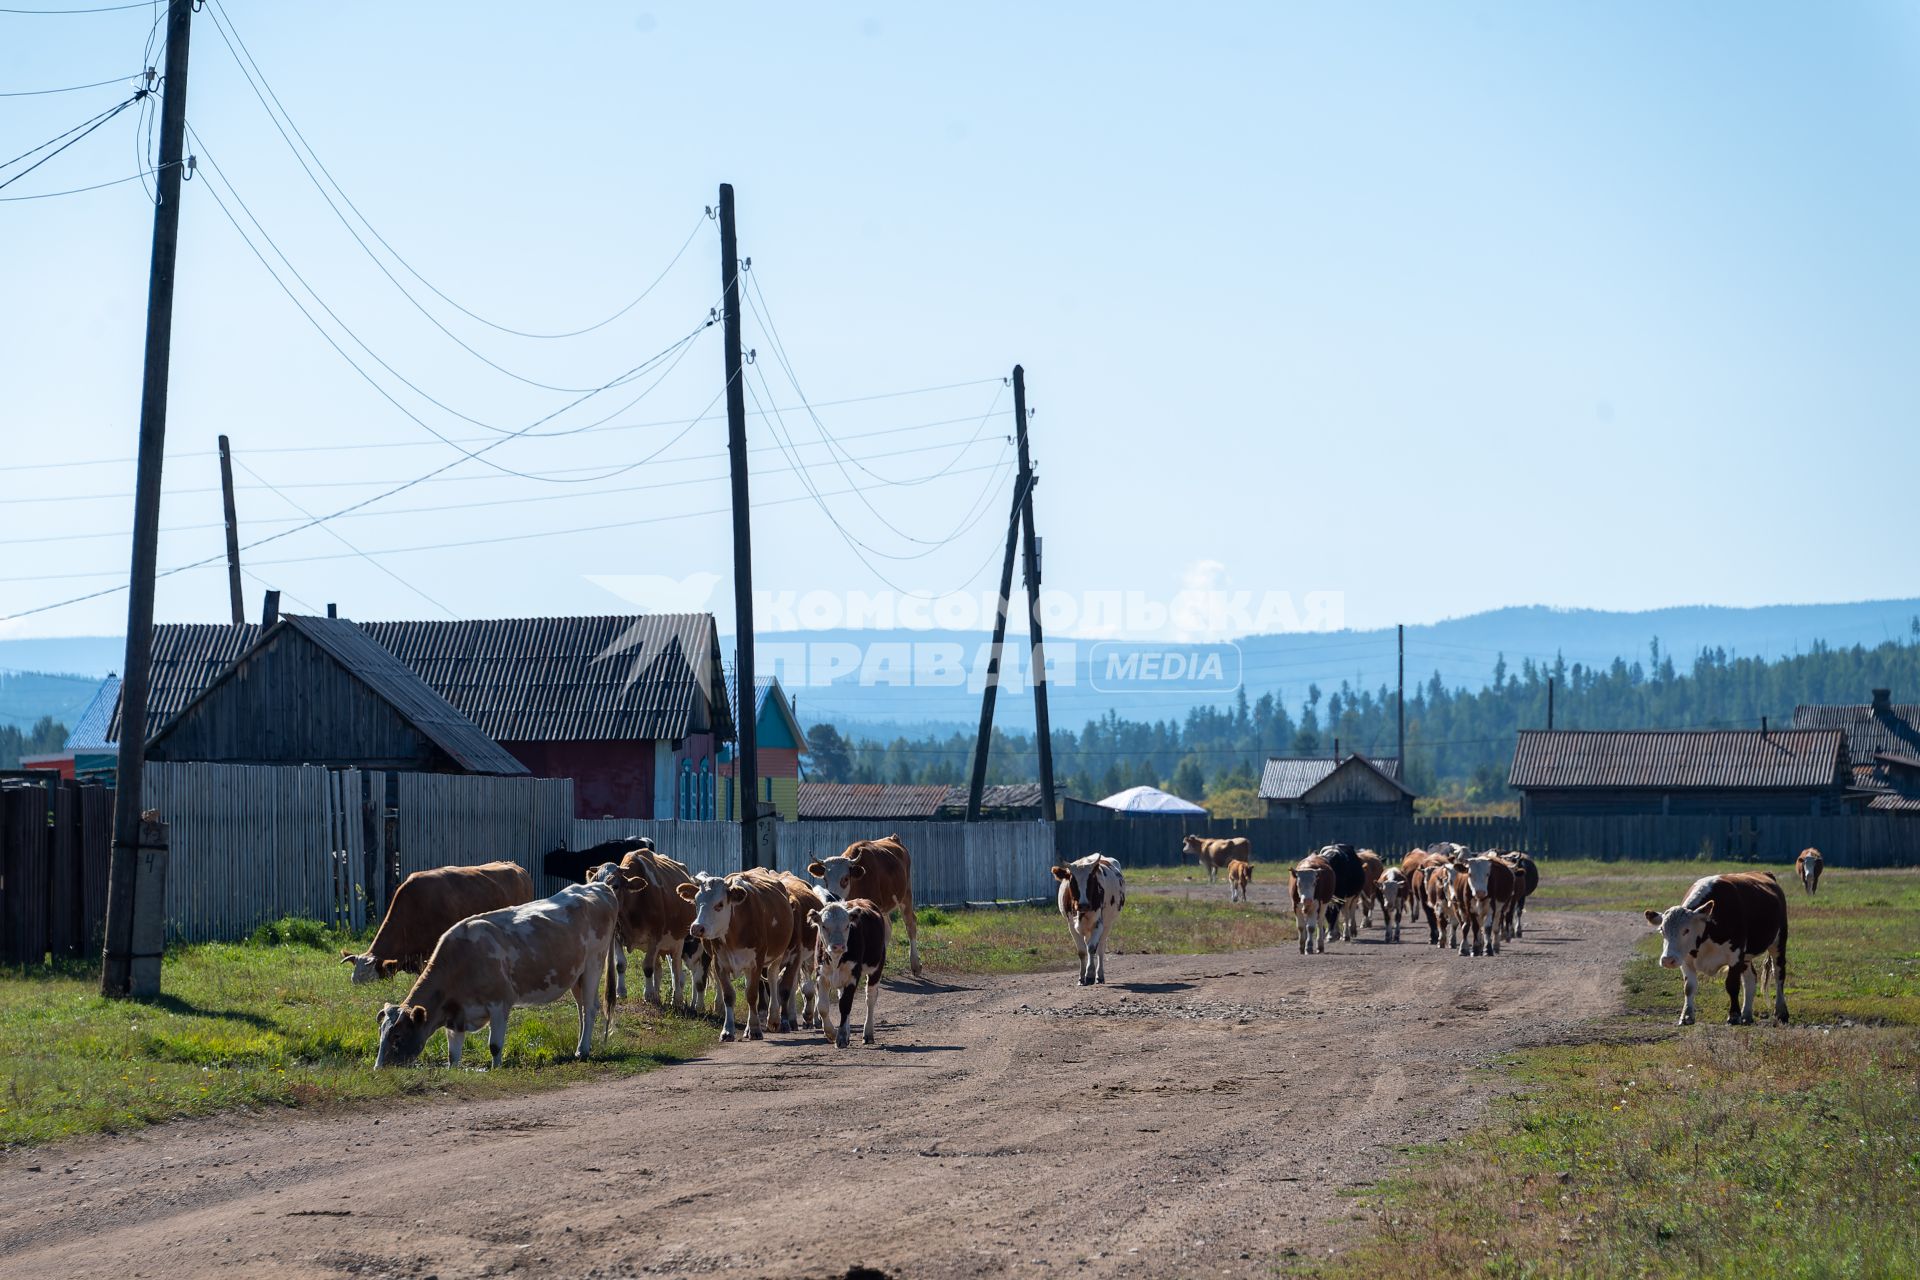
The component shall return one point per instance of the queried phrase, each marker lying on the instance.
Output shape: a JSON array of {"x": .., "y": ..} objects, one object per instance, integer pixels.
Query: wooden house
[
  {"x": 1716, "y": 771},
  {"x": 1350, "y": 786},
  {"x": 779, "y": 743},
  {"x": 1883, "y": 749},
  {"x": 870, "y": 802}
]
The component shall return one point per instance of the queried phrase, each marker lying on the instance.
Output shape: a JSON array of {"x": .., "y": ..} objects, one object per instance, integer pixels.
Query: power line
[
  {"x": 82, "y": 129},
  {"x": 72, "y": 88},
  {"x": 70, "y": 13},
  {"x": 74, "y": 191}
]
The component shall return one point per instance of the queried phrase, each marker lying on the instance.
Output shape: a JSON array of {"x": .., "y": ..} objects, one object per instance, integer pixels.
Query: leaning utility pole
[
  {"x": 1400, "y": 704},
  {"x": 125, "y": 971},
  {"x": 234, "y": 601},
  {"x": 1042, "y": 732},
  {"x": 746, "y": 774},
  {"x": 979, "y": 782}
]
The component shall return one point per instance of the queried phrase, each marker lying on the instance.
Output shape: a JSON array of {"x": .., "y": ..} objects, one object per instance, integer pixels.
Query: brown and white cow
[
  {"x": 1481, "y": 897},
  {"x": 1092, "y": 891},
  {"x": 1215, "y": 854},
  {"x": 1394, "y": 904},
  {"x": 1429, "y": 898},
  {"x": 654, "y": 924},
  {"x": 487, "y": 965},
  {"x": 1728, "y": 921},
  {"x": 798, "y": 998},
  {"x": 1526, "y": 878},
  {"x": 1310, "y": 886},
  {"x": 1375, "y": 867},
  {"x": 745, "y": 920},
  {"x": 850, "y": 944},
  {"x": 426, "y": 905},
  {"x": 1445, "y": 923},
  {"x": 1808, "y": 867},
  {"x": 881, "y": 871},
  {"x": 1239, "y": 880}
]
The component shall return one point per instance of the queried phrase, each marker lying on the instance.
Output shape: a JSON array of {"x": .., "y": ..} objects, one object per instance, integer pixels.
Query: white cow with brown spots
[
  {"x": 1092, "y": 891},
  {"x": 1808, "y": 867},
  {"x": 1728, "y": 922}
]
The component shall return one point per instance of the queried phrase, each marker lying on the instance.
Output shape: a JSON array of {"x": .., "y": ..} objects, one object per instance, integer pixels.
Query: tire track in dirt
[{"x": 1173, "y": 1123}]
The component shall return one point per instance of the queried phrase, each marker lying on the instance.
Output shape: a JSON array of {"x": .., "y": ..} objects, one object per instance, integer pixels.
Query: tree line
[
  {"x": 46, "y": 735},
  {"x": 1460, "y": 741}
]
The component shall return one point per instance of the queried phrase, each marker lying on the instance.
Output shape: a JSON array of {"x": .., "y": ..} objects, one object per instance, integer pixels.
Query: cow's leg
[
  {"x": 1777, "y": 964},
  {"x": 497, "y": 1033},
  {"x": 873, "y": 999},
  {"x": 701, "y": 967},
  {"x": 1734, "y": 971},
  {"x": 726, "y": 1002},
  {"x": 619, "y": 969},
  {"x": 758, "y": 994},
  {"x": 650, "y": 966},
  {"x": 1686, "y": 1006},
  {"x": 586, "y": 995},
  {"x": 913, "y": 935},
  {"x": 1097, "y": 946},
  {"x": 456, "y": 1042},
  {"x": 1080, "y": 950}
]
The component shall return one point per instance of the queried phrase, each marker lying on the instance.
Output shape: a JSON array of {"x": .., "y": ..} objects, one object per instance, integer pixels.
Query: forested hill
[{"x": 1459, "y": 740}]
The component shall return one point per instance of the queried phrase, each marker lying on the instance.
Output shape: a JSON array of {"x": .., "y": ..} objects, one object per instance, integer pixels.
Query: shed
[
  {"x": 1003, "y": 802},
  {"x": 1712, "y": 771},
  {"x": 863, "y": 801},
  {"x": 1350, "y": 786}
]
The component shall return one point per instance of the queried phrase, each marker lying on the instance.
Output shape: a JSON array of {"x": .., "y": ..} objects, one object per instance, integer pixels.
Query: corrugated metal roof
[
  {"x": 408, "y": 694},
  {"x": 1893, "y": 802},
  {"x": 1011, "y": 795},
  {"x": 1898, "y": 731},
  {"x": 90, "y": 731},
  {"x": 1718, "y": 759},
  {"x": 1290, "y": 777},
  {"x": 185, "y": 659},
  {"x": 859, "y": 800}
]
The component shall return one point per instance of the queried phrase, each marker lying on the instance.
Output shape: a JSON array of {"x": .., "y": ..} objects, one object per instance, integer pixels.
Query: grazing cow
[
  {"x": 1808, "y": 867},
  {"x": 1239, "y": 880},
  {"x": 653, "y": 923},
  {"x": 1310, "y": 885},
  {"x": 1215, "y": 854},
  {"x": 1374, "y": 866},
  {"x": 1349, "y": 889},
  {"x": 426, "y": 905},
  {"x": 1728, "y": 921},
  {"x": 745, "y": 920},
  {"x": 487, "y": 965},
  {"x": 850, "y": 944},
  {"x": 574, "y": 864},
  {"x": 798, "y": 998},
  {"x": 881, "y": 871},
  {"x": 1393, "y": 902},
  {"x": 1092, "y": 891},
  {"x": 1480, "y": 897},
  {"x": 1526, "y": 878}
]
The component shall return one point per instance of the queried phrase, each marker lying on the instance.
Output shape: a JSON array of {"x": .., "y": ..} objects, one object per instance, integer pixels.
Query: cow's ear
[
  {"x": 1061, "y": 873},
  {"x": 389, "y": 967},
  {"x": 416, "y": 1013},
  {"x": 813, "y": 918},
  {"x": 1706, "y": 908},
  {"x": 857, "y": 870},
  {"x": 737, "y": 892},
  {"x": 346, "y": 957},
  {"x": 818, "y": 870},
  {"x": 1653, "y": 918},
  {"x": 687, "y": 891}
]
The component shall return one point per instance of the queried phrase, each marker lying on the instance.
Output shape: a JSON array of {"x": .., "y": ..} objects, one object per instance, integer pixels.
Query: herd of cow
[{"x": 482, "y": 945}]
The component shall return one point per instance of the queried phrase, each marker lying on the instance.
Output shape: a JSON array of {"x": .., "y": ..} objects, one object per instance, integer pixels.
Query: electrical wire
[
  {"x": 82, "y": 129},
  {"x": 70, "y": 13},
  {"x": 72, "y": 88},
  {"x": 74, "y": 191}
]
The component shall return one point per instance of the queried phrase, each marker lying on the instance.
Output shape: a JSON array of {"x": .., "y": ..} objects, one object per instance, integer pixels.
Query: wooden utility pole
[
  {"x": 746, "y": 769},
  {"x": 122, "y": 971},
  {"x": 979, "y": 782},
  {"x": 1042, "y": 731},
  {"x": 1400, "y": 704},
  {"x": 234, "y": 601}
]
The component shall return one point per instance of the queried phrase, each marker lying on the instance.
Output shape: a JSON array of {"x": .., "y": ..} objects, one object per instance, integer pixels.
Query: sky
[{"x": 1420, "y": 309}]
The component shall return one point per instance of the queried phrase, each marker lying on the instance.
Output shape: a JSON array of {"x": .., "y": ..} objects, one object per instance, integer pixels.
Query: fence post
[{"x": 149, "y": 907}]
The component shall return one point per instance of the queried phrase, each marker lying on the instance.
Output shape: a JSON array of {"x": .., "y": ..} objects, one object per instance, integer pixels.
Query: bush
[{"x": 293, "y": 931}]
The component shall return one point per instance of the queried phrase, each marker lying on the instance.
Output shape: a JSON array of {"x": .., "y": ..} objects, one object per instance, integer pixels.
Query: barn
[
  {"x": 1350, "y": 786},
  {"x": 1883, "y": 747},
  {"x": 1786, "y": 772}
]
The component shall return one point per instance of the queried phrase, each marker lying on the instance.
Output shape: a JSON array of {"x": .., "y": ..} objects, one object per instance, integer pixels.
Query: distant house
[
  {"x": 625, "y": 706},
  {"x": 88, "y": 752},
  {"x": 1883, "y": 747},
  {"x": 1150, "y": 802},
  {"x": 779, "y": 743},
  {"x": 1005, "y": 802},
  {"x": 1717, "y": 771},
  {"x": 1351, "y": 786},
  {"x": 870, "y": 801}
]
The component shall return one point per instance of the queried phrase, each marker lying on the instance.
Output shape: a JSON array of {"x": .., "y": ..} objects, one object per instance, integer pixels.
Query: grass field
[
  {"x": 1034, "y": 939},
  {"x": 1711, "y": 1151}
]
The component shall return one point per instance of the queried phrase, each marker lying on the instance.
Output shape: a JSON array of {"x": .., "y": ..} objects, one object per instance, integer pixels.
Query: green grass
[
  {"x": 274, "y": 1022},
  {"x": 1035, "y": 939},
  {"x": 1712, "y": 1151}
]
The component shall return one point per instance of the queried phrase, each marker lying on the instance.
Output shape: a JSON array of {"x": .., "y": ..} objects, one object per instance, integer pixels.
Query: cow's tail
[{"x": 612, "y": 974}]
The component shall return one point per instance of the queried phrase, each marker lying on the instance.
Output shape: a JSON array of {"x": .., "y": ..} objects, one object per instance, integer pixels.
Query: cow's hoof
[
  {"x": 756, "y": 1035},
  {"x": 1685, "y": 1021},
  {"x": 726, "y": 1037}
]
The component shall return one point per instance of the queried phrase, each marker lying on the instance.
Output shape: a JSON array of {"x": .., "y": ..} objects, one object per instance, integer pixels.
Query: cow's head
[
  {"x": 368, "y": 969},
  {"x": 1391, "y": 886},
  {"x": 1190, "y": 847},
  {"x": 1081, "y": 883},
  {"x": 403, "y": 1034},
  {"x": 625, "y": 884},
  {"x": 837, "y": 874},
  {"x": 1682, "y": 930},
  {"x": 713, "y": 900},
  {"x": 1480, "y": 875},
  {"x": 1307, "y": 881},
  {"x": 835, "y": 923}
]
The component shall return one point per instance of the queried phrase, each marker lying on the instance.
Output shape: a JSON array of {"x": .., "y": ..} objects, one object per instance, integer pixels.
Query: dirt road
[{"x": 1198, "y": 1116}]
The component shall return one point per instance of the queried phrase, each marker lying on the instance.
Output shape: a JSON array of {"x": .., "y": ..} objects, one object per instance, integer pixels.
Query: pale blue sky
[{"x": 1442, "y": 307}]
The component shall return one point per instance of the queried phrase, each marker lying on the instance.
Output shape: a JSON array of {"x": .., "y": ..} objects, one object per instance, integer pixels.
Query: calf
[
  {"x": 851, "y": 944},
  {"x": 1393, "y": 902},
  {"x": 1092, "y": 891},
  {"x": 1310, "y": 885},
  {"x": 1728, "y": 921},
  {"x": 1808, "y": 867},
  {"x": 746, "y": 923},
  {"x": 1215, "y": 854},
  {"x": 881, "y": 871},
  {"x": 426, "y": 905},
  {"x": 1239, "y": 880},
  {"x": 655, "y": 925},
  {"x": 487, "y": 965},
  {"x": 1480, "y": 896}
]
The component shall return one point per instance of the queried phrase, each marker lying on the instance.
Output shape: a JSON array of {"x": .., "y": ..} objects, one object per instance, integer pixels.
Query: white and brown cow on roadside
[
  {"x": 1480, "y": 897},
  {"x": 1526, "y": 878},
  {"x": 1445, "y": 923},
  {"x": 798, "y": 994},
  {"x": 487, "y": 965},
  {"x": 881, "y": 871},
  {"x": 1728, "y": 922},
  {"x": 1214, "y": 855},
  {"x": 654, "y": 923},
  {"x": 426, "y": 905},
  {"x": 1394, "y": 904},
  {"x": 1310, "y": 887},
  {"x": 850, "y": 944},
  {"x": 1808, "y": 867},
  {"x": 1092, "y": 891},
  {"x": 1239, "y": 880},
  {"x": 745, "y": 921},
  {"x": 1374, "y": 867}
]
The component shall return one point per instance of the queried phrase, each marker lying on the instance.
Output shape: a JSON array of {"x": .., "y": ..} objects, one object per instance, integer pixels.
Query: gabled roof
[
  {"x": 765, "y": 688},
  {"x": 634, "y": 678},
  {"x": 431, "y": 715},
  {"x": 1896, "y": 731},
  {"x": 826, "y": 800},
  {"x": 90, "y": 731},
  {"x": 1291, "y": 777},
  {"x": 1673, "y": 760},
  {"x": 1357, "y": 761}
]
